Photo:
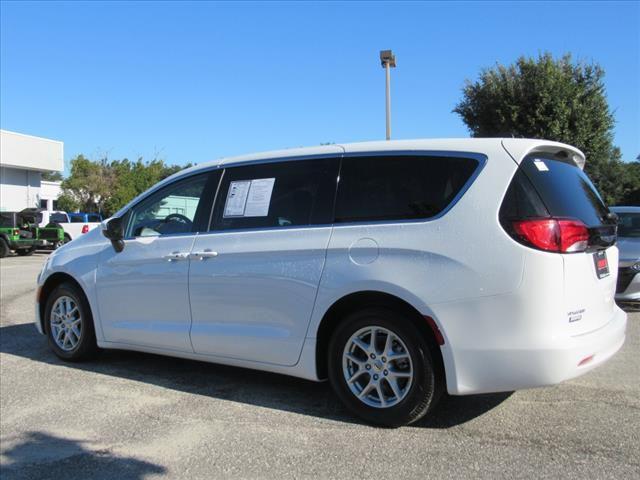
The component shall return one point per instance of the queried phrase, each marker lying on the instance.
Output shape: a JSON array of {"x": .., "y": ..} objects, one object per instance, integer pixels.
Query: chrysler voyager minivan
[{"x": 398, "y": 270}]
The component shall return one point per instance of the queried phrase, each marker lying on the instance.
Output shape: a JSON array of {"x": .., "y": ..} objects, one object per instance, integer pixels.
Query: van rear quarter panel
[{"x": 464, "y": 254}]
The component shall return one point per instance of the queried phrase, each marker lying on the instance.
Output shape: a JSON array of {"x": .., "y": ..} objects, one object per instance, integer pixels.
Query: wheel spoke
[
  {"x": 387, "y": 345},
  {"x": 393, "y": 383},
  {"x": 351, "y": 357},
  {"x": 363, "y": 346},
  {"x": 76, "y": 331},
  {"x": 397, "y": 374},
  {"x": 365, "y": 391},
  {"x": 356, "y": 375},
  {"x": 383, "y": 401}
]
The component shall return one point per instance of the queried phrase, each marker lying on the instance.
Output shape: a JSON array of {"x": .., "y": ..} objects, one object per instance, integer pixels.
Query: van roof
[{"x": 520, "y": 147}]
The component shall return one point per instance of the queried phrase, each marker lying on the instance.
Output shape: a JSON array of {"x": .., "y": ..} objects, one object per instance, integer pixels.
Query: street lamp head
[{"x": 387, "y": 58}]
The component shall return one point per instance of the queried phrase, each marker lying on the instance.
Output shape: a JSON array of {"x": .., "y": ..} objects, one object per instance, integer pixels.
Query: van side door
[{"x": 254, "y": 276}]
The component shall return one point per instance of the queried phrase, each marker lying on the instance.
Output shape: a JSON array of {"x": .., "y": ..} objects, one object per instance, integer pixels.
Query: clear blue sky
[{"x": 197, "y": 81}]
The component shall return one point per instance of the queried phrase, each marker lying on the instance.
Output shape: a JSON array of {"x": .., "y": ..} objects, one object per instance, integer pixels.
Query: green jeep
[{"x": 19, "y": 233}]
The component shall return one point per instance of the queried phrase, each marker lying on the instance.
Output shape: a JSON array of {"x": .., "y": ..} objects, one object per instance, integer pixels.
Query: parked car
[
  {"x": 72, "y": 228},
  {"x": 395, "y": 269},
  {"x": 19, "y": 233},
  {"x": 628, "y": 288}
]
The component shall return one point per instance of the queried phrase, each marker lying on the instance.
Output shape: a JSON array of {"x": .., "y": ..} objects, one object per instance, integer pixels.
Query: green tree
[
  {"x": 89, "y": 183},
  {"x": 67, "y": 203},
  {"x": 554, "y": 99}
]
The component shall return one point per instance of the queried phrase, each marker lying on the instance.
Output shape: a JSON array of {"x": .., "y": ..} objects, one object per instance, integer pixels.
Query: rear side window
[
  {"x": 399, "y": 187},
  {"x": 273, "y": 195},
  {"x": 58, "y": 218},
  {"x": 565, "y": 190}
]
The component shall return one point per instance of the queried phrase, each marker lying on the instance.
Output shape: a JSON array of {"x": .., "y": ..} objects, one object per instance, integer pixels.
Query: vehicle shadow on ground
[
  {"x": 42, "y": 455},
  {"x": 230, "y": 383}
]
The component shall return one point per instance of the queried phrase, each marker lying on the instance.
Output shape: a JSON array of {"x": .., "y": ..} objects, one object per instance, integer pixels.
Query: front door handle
[
  {"x": 176, "y": 256},
  {"x": 203, "y": 255}
]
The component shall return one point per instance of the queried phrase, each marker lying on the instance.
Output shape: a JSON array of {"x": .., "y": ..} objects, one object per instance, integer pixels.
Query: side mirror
[{"x": 114, "y": 231}]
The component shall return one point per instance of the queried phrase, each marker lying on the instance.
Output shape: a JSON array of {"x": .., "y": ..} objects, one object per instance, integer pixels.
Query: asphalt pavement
[{"x": 135, "y": 416}]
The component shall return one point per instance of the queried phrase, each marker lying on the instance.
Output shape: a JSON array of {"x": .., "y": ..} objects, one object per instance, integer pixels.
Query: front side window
[
  {"x": 175, "y": 209},
  {"x": 273, "y": 195},
  {"x": 399, "y": 187}
]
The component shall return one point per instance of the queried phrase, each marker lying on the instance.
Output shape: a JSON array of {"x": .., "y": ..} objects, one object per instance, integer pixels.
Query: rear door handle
[
  {"x": 203, "y": 255},
  {"x": 176, "y": 256}
]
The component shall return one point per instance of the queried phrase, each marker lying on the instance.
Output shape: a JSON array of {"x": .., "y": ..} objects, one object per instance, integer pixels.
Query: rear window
[
  {"x": 565, "y": 190},
  {"x": 58, "y": 218},
  {"x": 399, "y": 187}
]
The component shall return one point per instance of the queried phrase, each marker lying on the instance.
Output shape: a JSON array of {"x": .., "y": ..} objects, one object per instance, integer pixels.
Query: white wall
[
  {"x": 18, "y": 189},
  {"x": 49, "y": 192},
  {"x": 29, "y": 152}
]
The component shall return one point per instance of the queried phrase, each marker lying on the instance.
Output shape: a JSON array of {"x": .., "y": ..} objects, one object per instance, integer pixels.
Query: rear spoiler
[{"x": 519, "y": 148}]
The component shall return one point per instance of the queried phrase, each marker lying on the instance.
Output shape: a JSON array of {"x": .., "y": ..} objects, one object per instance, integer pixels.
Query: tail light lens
[
  {"x": 16, "y": 231},
  {"x": 85, "y": 229},
  {"x": 553, "y": 235}
]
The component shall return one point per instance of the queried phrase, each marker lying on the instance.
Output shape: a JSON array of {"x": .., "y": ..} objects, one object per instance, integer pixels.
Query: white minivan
[{"x": 396, "y": 269}]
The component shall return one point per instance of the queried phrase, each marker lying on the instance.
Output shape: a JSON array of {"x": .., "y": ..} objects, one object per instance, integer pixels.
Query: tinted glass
[
  {"x": 521, "y": 200},
  {"x": 401, "y": 187},
  {"x": 629, "y": 224},
  {"x": 175, "y": 209},
  {"x": 58, "y": 218},
  {"x": 565, "y": 190},
  {"x": 92, "y": 217},
  {"x": 284, "y": 194},
  {"x": 76, "y": 218}
]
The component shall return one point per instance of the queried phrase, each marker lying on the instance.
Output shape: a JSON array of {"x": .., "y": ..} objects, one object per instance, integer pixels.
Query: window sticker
[
  {"x": 237, "y": 198},
  {"x": 249, "y": 198},
  {"x": 541, "y": 166},
  {"x": 259, "y": 197}
]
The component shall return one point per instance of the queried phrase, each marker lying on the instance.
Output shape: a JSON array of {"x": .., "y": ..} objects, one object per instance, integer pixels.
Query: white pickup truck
[{"x": 73, "y": 224}]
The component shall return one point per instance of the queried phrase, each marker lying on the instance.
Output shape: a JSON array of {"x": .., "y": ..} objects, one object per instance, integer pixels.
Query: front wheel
[
  {"x": 381, "y": 367},
  {"x": 4, "y": 248},
  {"x": 69, "y": 324}
]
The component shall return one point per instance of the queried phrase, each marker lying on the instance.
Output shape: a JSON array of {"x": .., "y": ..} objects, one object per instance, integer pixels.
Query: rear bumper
[{"x": 494, "y": 370}]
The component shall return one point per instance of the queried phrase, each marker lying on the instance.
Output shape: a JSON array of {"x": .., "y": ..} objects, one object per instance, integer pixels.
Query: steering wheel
[{"x": 179, "y": 217}]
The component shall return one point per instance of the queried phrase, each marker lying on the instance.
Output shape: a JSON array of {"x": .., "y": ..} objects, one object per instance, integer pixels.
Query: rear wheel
[
  {"x": 381, "y": 367},
  {"x": 4, "y": 248},
  {"x": 69, "y": 324}
]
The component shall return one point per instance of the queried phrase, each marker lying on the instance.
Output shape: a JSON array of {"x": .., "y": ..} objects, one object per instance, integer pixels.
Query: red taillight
[
  {"x": 554, "y": 235},
  {"x": 16, "y": 231},
  {"x": 85, "y": 229}
]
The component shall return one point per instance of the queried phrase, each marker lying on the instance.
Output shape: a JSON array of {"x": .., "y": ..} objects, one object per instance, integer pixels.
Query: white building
[{"x": 23, "y": 159}]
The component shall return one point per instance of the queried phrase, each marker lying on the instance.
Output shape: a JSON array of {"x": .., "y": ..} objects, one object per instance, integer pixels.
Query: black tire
[
  {"x": 25, "y": 252},
  {"x": 86, "y": 346},
  {"x": 4, "y": 248},
  {"x": 426, "y": 386},
  {"x": 67, "y": 238}
]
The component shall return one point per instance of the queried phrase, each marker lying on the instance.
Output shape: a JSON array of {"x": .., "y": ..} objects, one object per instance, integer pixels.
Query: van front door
[{"x": 142, "y": 291}]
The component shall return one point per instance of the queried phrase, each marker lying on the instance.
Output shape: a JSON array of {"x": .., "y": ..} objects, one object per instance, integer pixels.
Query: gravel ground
[{"x": 133, "y": 416}]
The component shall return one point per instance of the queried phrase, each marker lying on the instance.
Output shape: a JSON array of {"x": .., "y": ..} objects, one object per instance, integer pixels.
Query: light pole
[{"x": 388, "y": 60}]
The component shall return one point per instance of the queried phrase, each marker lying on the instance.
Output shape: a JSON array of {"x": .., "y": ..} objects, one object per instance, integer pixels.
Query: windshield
[{"x": 628, "y": 224}]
